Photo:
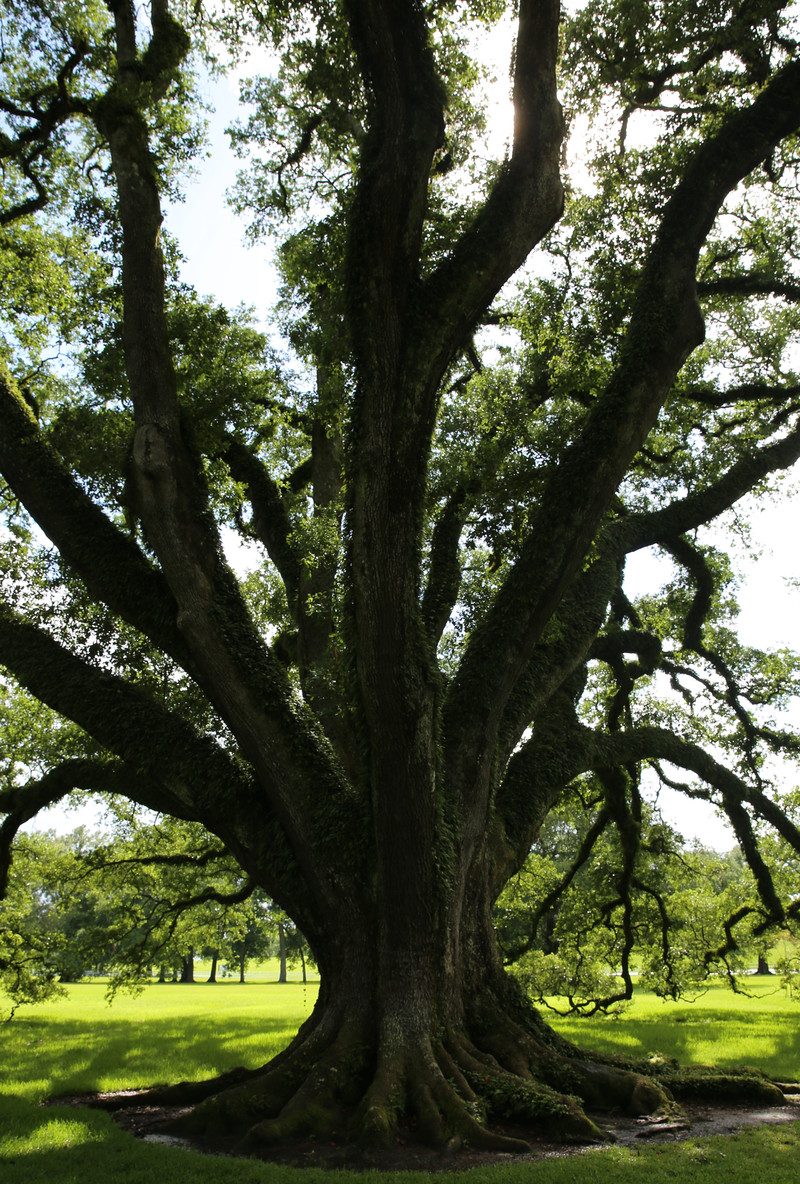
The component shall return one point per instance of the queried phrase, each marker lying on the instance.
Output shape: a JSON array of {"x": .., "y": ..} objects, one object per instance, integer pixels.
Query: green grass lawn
[
  {"x": 167, "y": 1033},
  {"x": 720, "y": 1028},
  {"x": 173, "y": 1032}
]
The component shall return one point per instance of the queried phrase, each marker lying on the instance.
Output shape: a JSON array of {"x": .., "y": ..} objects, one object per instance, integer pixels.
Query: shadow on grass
[
  {"x": 693, "y": 1035},
  {"x": 91, "y": 1148},
  {"x": 63, "y": 1144},
  {"x": 66, "y": 1056},
  {"x": 38, "y": 1127}
]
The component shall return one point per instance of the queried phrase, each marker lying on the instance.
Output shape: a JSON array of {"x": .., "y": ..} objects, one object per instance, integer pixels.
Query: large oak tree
[{"x": 443, "y": 487}]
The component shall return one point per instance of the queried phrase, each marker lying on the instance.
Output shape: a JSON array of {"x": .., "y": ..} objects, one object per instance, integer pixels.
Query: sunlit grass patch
[
  {"x": 168, "y": 1033},
  {"x": 189, "y": 1032},
  {"x": 720, "y": 1028},
  {"x": 53, "y": 1132}
]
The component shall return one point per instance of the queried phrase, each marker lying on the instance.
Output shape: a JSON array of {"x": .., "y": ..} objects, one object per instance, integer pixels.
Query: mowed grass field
[
  {"x": 173, "y": 1032},
  {"x": 760, "y": 1028}
]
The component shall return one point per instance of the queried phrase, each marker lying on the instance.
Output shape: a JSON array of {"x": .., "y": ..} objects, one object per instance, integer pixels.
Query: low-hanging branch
[
  {"x": 548, "y": 902},
  {"x": 656, "y": 743},
  {"x": 693, "y": 560},
  {"x": 100, "y": 859},
  {"x": 22, "y": 803},
  {"x": 179, "y": 763}
]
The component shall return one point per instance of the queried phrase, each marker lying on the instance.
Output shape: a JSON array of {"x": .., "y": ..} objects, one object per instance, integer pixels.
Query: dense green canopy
[{"x": 486, "y": 384}]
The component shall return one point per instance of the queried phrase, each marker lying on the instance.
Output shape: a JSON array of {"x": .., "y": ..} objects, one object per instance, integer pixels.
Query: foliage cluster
[
  {"x": 146, "y": 898},
  {"x": 564, "y": 928}
]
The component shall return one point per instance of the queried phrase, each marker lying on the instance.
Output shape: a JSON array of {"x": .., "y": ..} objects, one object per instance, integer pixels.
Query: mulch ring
[{"x": 148, "y": 1122}]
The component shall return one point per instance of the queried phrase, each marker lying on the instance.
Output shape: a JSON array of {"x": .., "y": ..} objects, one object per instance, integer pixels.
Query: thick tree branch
[
  {"x": 118, "y": 715},
  {"x": 664, "y": 328},
  {"x": 611, "y": 647},
  {"x": 405, "y": 127},
  {"x": 317, "y": 647},
  {"x": 270, "y": 521},
  {"x": 525, "y": 203},
  {"x": 390, "y": 433},
  {"x": 536, "y": 774},
  {"x": 444, "y": 569},
  {"x": 636, "y": 531},
  {"x": 753, "y": 392},
  {"x": 108, "y": 561},
  {"x": 247, "y": 686},
  {"x": 750, "y": 284},
  {"x": 561, "y": 655},
  {"x": 167, "y": 765}
]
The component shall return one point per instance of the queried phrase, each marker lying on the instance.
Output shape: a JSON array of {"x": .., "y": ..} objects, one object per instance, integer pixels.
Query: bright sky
[{"x": 218, "y": 262}]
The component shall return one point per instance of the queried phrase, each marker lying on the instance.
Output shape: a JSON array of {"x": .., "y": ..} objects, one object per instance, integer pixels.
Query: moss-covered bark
[{"x": 359, "y": 1072}]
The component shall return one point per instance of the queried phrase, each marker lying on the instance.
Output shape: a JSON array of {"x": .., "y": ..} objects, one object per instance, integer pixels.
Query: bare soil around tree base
[{"x": 149, "y": 1121}]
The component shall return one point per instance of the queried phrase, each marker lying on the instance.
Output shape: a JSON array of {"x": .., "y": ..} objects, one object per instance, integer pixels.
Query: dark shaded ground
[{"x": 700, "y": 1119}]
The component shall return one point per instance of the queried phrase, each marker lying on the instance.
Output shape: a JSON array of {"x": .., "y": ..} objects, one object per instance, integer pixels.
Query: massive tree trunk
[
  {"x": 429, "y": 1040},
  {"x": 445, "y": 1051}
]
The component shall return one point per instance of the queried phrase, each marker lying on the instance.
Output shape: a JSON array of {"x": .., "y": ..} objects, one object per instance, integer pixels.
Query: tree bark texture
[{"x": 454, "y": 1056}]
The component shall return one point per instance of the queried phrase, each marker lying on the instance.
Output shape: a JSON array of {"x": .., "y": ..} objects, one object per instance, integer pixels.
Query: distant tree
[
  {"x": 116, "y": 904},
  {"x": 212, "y": 952},
  {"x": 187, "y": 967},
  {"x": 297, "y": 949},
  {"x": 32, "y": 944},
  {"x": 282, "y": 977},
  {"x": 172, "y": 892},
  {"x": 252, "y": 934}
]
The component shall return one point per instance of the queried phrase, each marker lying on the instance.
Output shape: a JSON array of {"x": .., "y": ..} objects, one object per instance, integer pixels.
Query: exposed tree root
[
  {"x": 704, "y": 1082},
  {"x": 337, "y": 1083},
  {"x": 448, "y": 1093}
]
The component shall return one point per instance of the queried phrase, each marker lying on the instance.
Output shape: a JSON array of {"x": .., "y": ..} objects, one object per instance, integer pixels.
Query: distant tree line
[
  {"x": 126, "y": 908},
  {"x": 87, "y": 904}
]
